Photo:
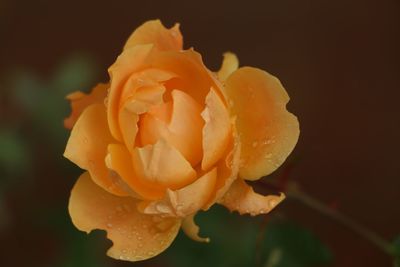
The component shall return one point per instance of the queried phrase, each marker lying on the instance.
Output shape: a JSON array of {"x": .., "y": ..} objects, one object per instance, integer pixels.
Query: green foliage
[
  {"x": 234, "y": 243},
  {"x": 45, "y": 101},
  {"x": 396, "y": 251},
  {"x": 14, "y": 154},
  {"x": 289, "y": 245}
]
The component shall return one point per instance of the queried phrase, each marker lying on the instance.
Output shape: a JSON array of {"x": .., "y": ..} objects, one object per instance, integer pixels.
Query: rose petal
[
  {"x": 131, "y": 60},
  {"x": 227, "y": 169},
  {"x": 193, "y": 197},
  {"x": 153, "y": 32},
  {"x": 216, "y": 130},
  {"x": 150, "y": 77},
  {"x": 163, "y": 164},
  {"x": 192, "y": 230},
  {"x": 128, "y": 122},
  {"x": 230, "y": 63},
  {"x": 243, "y": 199},
  {"x": 87, "y": 147},
  {"x": 79, "y": 101},
  {"x": 185, "y": 201},
  {"x": 268, "y": 132},
  {"x": 120, "y": 160},
  {"x": 135, "y": 236},
  {"x": 178, "y": 124},
  {"x": 144, "y": 98},
  {"x": 193, "y": 77}
]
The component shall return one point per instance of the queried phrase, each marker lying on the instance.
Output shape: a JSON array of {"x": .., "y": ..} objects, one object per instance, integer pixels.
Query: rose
[{"x": 166, "y": 138}]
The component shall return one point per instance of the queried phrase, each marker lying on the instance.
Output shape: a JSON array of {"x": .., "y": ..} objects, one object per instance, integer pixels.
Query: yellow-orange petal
[
  {"x": 149, "y": 77},
  {"x": 144, "y": 98},
  {"x": 216, "y": 130},
  {"x": 163, "y": 164},
  {"x": 191, "y": 198},
  {"x": 185, "y": 201},
  {"x": 128, "y": 122},
  {"x": 242, "y": 198},
  {"x": 192, "y": 230},
  {"x": 179, "y": 124},
  {"x": 193, "y": 77},
  {"x": 135, "y": 236},
  {"x": 131, "y": 60},
  {"x": 230, "y": 63},
  {"x": 153, "y": 32},
  {"x": 268, "y": 132},
  {"x": 120, "y": 160},
  {"x": 79, "y": 101},
  {"x": 87, "y": 147},
  {"x": 227, "y": 170}
]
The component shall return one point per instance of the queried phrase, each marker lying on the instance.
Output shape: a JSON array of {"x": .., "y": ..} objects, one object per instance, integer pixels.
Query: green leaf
[{"x": 289, "y": 245}]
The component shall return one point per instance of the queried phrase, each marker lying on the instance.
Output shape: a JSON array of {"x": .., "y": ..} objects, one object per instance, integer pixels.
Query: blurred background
[{"x": 339, "y": 61}]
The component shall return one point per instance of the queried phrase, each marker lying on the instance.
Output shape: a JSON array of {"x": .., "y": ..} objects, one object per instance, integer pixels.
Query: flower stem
[{"x": 294, "y": 193}]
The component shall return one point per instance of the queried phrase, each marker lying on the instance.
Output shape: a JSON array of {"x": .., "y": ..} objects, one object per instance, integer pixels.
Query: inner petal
[
  {"x": 163, "y": 164},
  {"x": 178, "y": 122},
  {"x": 216, "y": 131}
]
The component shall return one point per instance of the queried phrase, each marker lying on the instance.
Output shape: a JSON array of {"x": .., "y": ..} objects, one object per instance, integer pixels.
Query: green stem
[{"x": 357, "y": 228}]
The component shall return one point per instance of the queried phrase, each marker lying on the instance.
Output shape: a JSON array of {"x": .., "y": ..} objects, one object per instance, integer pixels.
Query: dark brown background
[{"x": 339, "y": 61}]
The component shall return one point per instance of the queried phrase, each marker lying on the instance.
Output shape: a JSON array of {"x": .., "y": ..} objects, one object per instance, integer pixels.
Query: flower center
[{"x": 178, "y": 122}]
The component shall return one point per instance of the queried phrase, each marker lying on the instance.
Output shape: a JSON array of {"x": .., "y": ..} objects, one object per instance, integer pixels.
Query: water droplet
[
  {"x": 124, "y": 251},
  {"x": 109, "y": 225},
  {"x": 268, "y": 156},
  {"x": 121, "y": 257}
]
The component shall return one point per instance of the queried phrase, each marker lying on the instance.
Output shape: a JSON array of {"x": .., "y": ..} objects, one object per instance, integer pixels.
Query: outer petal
[
  {"x": 268, "y": 132},
  {"x": 216, "y": 129},
  {"x": 243, "y": 199},
  {"x": 135, "y": 236},
  {"x": 229, "y": 65},
  {"x": 153, "y": 32},
  {"x": 192, "y": 230},
  {"x": 79, "y": 101},
  {"x": 87, "y": 147}
]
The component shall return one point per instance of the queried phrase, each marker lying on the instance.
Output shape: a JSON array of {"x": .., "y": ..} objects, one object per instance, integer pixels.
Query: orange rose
[{"x": 166, "y": 138}]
